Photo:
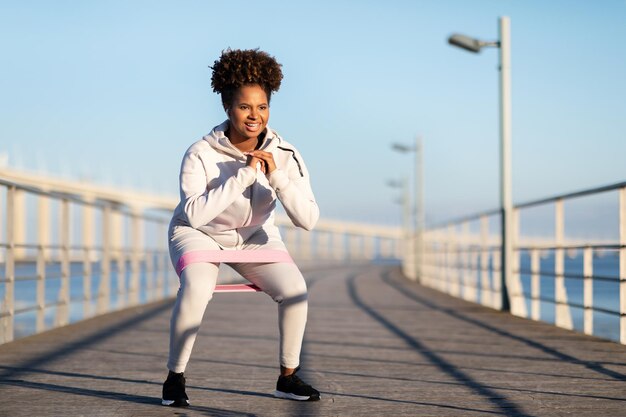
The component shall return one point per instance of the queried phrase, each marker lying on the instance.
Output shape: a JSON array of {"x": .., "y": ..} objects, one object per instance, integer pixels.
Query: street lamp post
[
  {"x": 405, "y": 201},
  {"x": 419, "y": 200},
  {"x": 506, "y": 202}
]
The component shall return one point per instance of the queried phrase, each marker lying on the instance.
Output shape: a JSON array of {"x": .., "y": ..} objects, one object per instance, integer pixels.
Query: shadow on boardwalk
[{"x": 376, "y": 345}]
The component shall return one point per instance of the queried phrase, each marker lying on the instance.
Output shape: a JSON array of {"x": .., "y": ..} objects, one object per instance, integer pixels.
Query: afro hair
[{"x": 239, "y": 67}]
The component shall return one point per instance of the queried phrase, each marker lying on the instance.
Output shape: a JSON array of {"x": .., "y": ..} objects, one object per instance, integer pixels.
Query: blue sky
[{"x": 116, "y": 91}]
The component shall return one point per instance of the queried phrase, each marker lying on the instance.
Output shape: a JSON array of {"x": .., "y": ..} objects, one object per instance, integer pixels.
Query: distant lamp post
[
  {"x": 506, "y": 204},
  {"x": 405, "y": 201},
  {"x": 419, "y": 199}
]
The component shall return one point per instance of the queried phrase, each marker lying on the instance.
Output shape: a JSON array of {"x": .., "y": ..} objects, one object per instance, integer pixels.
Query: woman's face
[{"x": 248, "y": 114}]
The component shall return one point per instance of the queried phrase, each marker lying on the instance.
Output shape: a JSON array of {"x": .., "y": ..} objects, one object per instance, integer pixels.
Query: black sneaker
[
  {"x": 174, "y": 391},
  {"x": 293, "y": 388}
]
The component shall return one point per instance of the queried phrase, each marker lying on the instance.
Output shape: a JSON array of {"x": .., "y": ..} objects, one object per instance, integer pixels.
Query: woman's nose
[{"x": 253, "y": 114}]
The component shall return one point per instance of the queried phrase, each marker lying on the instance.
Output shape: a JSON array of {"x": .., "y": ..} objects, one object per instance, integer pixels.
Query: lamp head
[
  {"x": 401, "y": 148},
  {"x": 465, "y": 42},
  {"x": 394, "y": 183}
]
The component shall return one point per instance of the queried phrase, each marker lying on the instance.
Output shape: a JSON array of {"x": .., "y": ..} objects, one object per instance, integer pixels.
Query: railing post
[
  {"x": 384, "y": 247},
  {"x": 563, "y": 314},
  {"x": 496, "y": 271},
  {"x": 104, "y": 290},
  {"x": 354, "y": 244},
  {"x": 43, "y": 231},
  {"x": 423, "y": 261},
  {"x": 151, "y": 281},
  {"x": 419, "y": 209},
  {"x": 323, "y": 245},
  {"x": 535, "y": 283},
  {"x": 486, "y": 292},
  {"x": 430, "y": 259},
  {"x": 117, "y": 240},
  {"x": 439, "y": 282},
  {"x": 339, "y": 243},
  {"x": 161, "y": 267},
  {"x": 588, "y": 289},
  {"x": 368, "y": 247},
  {"x": 162, "y": 288},
  {"x": 466, "y": 270},
  {"x": 135, "y": 260},
  {"x": 329, "y": 246},
  {"x": 19, "y": 224},
  {"x": 87, "y": 239},
  {"x": 453, "y": 273},
  {"x": 622, "y": 264},
  {"x": 148, "y": 256},
  {"x": 476, "y": 274},
  {"x": 62, "y": 317},
  {"x": 8, "y": 308}
]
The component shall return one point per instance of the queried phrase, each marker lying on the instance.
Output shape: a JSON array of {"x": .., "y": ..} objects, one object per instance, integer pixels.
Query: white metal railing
[
  {"x": 71, "y": 250},
  {"x": 65, "y": 258},
  {"x": 575, "y": 283}
]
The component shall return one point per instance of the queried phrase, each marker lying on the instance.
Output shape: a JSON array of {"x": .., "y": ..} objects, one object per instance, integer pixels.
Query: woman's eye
[
  {"x": 263, "y": 108},
  {"x": 243, "y": 107}
]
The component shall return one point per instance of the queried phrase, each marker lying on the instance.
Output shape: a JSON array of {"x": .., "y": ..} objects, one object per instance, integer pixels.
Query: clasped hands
[{"x": 264, "y": 160}]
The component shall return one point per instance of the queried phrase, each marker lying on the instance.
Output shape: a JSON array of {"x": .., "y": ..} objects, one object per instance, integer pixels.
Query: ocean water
[{"x": 26, "y": 291}]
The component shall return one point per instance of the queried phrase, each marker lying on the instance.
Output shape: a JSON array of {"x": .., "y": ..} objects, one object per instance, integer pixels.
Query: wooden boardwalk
[{"x": 376, "y": 345}]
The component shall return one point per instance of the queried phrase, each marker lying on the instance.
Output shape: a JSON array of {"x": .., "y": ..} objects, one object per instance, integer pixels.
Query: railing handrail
[
  {"x": 575, "y": 194},
  {"x": 464, "y": 219},
  {"x": 362, "y": 229},
  {"x": 105, "y": 193},
  {"x": 71, "y": 197},
  {"x": 464, "y": 260},
  {"x": 546, "y": 200}
]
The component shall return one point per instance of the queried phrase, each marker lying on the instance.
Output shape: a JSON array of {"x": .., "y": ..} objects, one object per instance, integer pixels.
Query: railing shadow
[
  {"x": 95, "y": 338},
  {"x": 505, "y": 406},
  {"x": 403, "y": 289},
  {"x": 122, "y": 396}
]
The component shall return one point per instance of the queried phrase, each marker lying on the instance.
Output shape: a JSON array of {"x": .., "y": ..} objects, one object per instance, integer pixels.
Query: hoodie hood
[{"x": 218, "y": 140}]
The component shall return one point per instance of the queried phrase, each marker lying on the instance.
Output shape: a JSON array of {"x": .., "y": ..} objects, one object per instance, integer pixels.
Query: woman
[{"x": 229, "y": 183}]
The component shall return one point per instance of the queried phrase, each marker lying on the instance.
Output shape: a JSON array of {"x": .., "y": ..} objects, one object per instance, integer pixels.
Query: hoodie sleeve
[
  {"x": 202, "y": 204},
  {"x": 293, "y": 188}
]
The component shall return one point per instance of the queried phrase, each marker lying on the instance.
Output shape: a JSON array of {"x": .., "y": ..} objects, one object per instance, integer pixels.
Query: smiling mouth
[{"x": 252, "y": 125}]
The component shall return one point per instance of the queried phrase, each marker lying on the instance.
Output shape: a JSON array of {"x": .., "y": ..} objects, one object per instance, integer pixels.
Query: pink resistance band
[{"x": 233, "y": 256}]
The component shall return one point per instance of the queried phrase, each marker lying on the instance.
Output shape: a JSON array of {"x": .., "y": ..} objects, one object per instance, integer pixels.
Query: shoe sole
[
  {"x": 175, "y": 403},
  {"x": 289, "y": 396}
]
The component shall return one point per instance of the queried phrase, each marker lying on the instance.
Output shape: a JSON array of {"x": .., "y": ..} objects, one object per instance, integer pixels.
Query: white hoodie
[{"x": 229, "y": 201}]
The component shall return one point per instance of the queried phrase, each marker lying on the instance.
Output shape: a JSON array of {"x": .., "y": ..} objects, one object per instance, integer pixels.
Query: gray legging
[{"x": 281, "y": 281}]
